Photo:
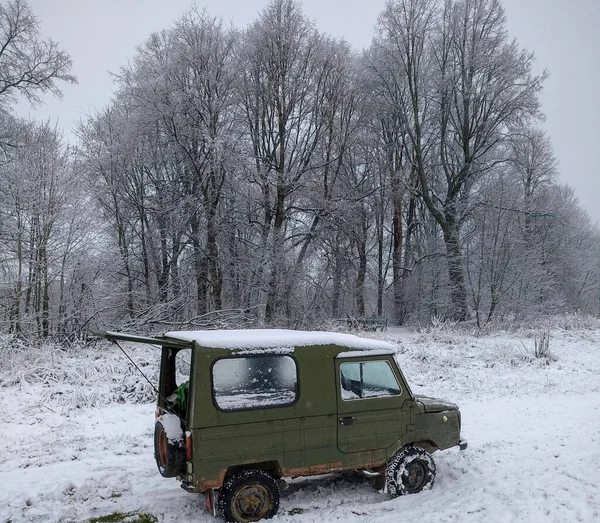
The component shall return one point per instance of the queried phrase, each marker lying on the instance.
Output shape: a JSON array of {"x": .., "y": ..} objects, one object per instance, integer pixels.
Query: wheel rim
[
  {"x": 251, "y": 502},
  {"x": 415, "y": 476},
  {"x": 162, "y": 448}
]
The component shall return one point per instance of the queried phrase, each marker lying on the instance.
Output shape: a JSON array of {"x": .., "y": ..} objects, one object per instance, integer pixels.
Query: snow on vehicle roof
[{"x": 244, "y": 339}]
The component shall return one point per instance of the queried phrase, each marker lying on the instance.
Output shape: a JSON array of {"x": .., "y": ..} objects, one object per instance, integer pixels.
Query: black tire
[
  {"x": 409, "y": 471},
  {"x": 169, "y": 449},
  {"x": 250, "y": 495}
]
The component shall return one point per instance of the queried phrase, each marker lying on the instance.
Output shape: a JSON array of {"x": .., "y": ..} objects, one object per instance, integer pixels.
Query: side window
[
  {"x": 368, "y": 379},
  {"x": 255, "y": 382}
]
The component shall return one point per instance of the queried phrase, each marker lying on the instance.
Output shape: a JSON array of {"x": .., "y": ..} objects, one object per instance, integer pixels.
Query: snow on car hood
[{"x": 434, "y": 404}]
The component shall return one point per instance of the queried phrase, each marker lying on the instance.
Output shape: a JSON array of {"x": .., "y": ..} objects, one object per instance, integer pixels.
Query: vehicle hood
[{"x": 428, "y": 404}]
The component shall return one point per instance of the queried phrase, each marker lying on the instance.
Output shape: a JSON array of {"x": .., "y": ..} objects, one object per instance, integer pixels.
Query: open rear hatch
[
  {"x": 172, "y": 444},
  {"x": 162, "y": 340}
]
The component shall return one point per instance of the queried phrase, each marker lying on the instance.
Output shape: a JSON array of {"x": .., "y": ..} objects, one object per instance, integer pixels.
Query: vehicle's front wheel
[
  {"x": 409, "y": 471},
  {"x": 250, "y": 495}
]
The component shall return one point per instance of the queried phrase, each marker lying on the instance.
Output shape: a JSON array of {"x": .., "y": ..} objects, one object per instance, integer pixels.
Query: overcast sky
[{"x": 101, "y": 35}]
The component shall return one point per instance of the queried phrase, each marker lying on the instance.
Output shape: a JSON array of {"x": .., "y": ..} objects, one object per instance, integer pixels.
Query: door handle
[{"x": 347, "y": 421}]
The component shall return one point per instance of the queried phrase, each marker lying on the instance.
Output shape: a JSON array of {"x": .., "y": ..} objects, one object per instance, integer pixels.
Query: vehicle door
[{"x": 371, "y": 403}]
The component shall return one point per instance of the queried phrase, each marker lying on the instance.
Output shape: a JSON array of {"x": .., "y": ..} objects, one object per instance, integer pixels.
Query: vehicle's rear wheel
[
  {"x": 250, "y": 495},
  {"x": 169, "y": 448},
  {"x": 409, "y": 471}
]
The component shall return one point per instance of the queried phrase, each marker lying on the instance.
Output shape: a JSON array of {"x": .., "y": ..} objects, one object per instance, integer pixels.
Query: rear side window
[
  {"x": 369, "y": 379},
  {"x": 255, "y": 382}
]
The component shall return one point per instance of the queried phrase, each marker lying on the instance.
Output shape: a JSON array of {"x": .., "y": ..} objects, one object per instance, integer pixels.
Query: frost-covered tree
[
  {"x": 273, "y": 171},
  {"x": 35, "y": 172},
  {"x": 180, "y": 82},
  {"x": 484, "y": 86},
  {"x": 29, "y": 65},
  {"x": 289, "y": 79},
  {"x": 400, "y": 61},
  {"x": 39, "y": 227},
  {"x": 460, "y": 85}
]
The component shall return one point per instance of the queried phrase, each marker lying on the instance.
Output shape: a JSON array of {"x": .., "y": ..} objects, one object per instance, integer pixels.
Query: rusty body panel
[
  {"x": 313, "y": 470},
  {"x": 204, "y": 484}
]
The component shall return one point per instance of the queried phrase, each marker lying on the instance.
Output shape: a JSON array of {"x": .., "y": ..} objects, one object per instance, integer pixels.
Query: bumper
[{"x": 462, "y": 444}]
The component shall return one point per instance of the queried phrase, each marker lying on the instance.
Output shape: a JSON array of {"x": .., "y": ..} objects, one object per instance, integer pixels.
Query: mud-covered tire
[
  {"x": 169, "y": 446},
  {"x": 250, "y": 495},
  {"x": 409, "y": 471}
]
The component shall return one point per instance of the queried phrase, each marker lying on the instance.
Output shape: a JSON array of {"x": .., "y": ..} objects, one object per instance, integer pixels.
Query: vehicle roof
[{"x": 256, "y": 339}]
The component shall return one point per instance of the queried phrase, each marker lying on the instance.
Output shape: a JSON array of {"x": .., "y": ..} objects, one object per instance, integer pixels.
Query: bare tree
[
  {"x": 181, "y": 81},
  {"x": 485, "y": 87},
  {"x": 462, "y": 84},
  {"x": 283, "y": 70},
  {"x": 401, "y": 62},
  {"x": 28, "y": 65},
  {"x": 37, "y": 186},
  {"x": 264, "y": 170}
]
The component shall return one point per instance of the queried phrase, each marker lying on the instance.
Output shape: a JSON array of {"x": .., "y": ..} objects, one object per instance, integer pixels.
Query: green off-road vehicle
[{"x": 240, "y": 410}]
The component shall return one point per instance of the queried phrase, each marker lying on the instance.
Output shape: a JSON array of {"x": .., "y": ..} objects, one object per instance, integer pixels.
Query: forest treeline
[{"x": 276, "y": 176}]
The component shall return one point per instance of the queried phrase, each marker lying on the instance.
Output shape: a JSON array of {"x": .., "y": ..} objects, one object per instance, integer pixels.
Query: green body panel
[
  {"x": 291, "y": 443},
  {"x": 432, "y": 427},
  {"x": 375, "y": 423},
  {"x": 293, "y": 436}
]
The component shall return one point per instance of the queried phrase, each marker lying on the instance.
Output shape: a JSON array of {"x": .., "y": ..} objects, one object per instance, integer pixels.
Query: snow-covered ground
[{"x": 76, "y": 436}]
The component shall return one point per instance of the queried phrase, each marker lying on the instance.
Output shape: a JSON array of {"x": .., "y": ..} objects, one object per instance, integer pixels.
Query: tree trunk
[
  {"x": 458, "y": 293},
  {"x": 277, "y": 258},
  {"x": 162, "y": 278},
  {"x": 398, "y": 239},
  {"x": 45, "y": 293},
  {"x": 337, "y": 285},
  {"x": 16, "y": 314},
  {"x": 125, "y": 254},
  {"x": 212, "y": 254},
  {"x": 199, "y": 268},
  {"x": 359, "y": 290}
]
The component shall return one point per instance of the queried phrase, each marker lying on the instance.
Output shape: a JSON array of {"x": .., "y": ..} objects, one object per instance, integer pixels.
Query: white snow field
[{"x": 77, "y": 426}]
